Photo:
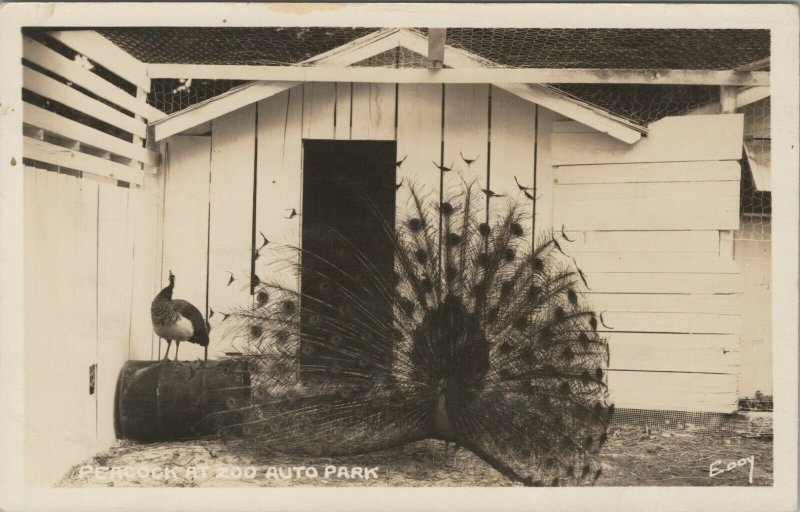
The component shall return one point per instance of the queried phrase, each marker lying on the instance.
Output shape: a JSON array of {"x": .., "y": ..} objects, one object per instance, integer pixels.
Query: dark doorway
[{"x": 348, "y": 204}]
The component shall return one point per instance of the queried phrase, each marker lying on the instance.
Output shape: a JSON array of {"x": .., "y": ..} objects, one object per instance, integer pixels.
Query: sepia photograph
[{"x": 401, "y": 247}]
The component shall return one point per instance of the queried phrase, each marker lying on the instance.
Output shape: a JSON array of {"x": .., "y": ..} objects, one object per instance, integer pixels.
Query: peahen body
[
  {"x": 476, "y": 338},
  {"x": 177, "y": 320}
]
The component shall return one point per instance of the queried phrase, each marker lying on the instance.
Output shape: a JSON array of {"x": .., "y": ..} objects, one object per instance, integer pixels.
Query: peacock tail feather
[{"x": 474, "y": 337}]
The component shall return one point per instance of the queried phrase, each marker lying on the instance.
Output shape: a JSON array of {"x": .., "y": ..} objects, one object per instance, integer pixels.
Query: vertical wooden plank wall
[
  {"x": 279, "y": 184},
  {"x": 114, "y": 264},
  {"x": 408, "y": 113},
  {"x": 466, "y": 131},
  {"x": 60, "y": 324},
  {"x": 185, "y": 252},
  {"x": 231, "y": 221},
  {"x": 646, "y": 220},
  {"x": 512, "y": 158}
]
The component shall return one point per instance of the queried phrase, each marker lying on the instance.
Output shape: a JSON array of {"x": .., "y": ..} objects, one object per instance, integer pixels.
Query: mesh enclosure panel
[
  {"x": 397, "y": 58},
  {"x": 204, "y": 45},
  {"x": 642, "y": 104},
  {"x": 524, "y": 47},
  {"x": 613, "y": 48},
  {"x": 756, "y": 198},
  {"x": 171, "y": 95},
  {"x": 700, "y": 422}
]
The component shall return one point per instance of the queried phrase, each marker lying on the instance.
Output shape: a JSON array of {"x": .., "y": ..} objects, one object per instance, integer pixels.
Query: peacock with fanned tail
[{"x": 475, "y": 338}]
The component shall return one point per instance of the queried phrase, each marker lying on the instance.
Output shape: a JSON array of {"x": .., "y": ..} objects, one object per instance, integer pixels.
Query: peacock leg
[
  {"x": 166, "y": 354},
  {"x": 177, "y": 346}
]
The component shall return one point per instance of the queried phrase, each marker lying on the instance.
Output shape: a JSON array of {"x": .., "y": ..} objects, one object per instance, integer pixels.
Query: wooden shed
[{"x": 637, "y": 159}]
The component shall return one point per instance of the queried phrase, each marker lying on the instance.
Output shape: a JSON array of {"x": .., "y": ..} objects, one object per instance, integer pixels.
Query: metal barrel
[{"x": 178, "y": 400}]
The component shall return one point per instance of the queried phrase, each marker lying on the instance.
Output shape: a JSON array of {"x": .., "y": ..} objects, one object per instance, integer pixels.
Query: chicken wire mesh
[
  {"x": 738, "y": 423},
  {"x": 756, "y": 197}
]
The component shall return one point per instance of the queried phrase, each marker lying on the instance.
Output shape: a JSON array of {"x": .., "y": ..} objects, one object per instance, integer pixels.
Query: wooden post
[
  {"x": 727, "y": 99},
  {"x": 727, "y": 105},
  {"x": 436, "y": 40}
]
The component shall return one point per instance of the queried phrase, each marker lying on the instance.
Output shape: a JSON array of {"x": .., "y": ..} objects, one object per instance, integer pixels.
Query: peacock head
[{"x": 171, "y": 278}]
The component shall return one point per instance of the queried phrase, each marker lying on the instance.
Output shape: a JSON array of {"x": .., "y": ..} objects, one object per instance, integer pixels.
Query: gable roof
[{"x": 377, "y": 43}]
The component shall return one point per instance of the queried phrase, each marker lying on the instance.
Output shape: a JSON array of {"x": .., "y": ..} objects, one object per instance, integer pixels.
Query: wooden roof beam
[{"x": 460, "y": 75}]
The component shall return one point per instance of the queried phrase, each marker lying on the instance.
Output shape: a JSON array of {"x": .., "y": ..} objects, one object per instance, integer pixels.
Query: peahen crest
[{"x": 474, "y": 337}]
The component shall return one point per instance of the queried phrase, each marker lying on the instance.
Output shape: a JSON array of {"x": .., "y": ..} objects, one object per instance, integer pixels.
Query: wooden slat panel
[
  {"x": 72, "y": 71},
  {"x": 106, "y": 53},
  {"x": 64, "y": 127},
  {"x": 513, "y": 141},
  {"x": 185, "y": 250},
  {"x": 344, "y": 91},
  {"x": 673, "y": 391},
  {"x": 648, "y": 206},
  {"x": 40, "y": 270},
  {"x": 672, "y": 139},
  {"x": 643, "y": 241},
  {"x": 665, "y": 262},
  {"x": 666, "y": 303},
  {"x": 319, "y": 105},
  {"x": 649, "y": 172},
  {"x": 86, "y": 295},
  {"x": 704, "y": 323},
  {"x": 419, "y": 143},
  {"x": 57, "y": 155},
  {"x": 53, "y": 89},
  {"x": 280, "y": 187},
  {"x": 113, "y": 303},
  {"x": 230, "y": 243},
  {"x": 674, "y": 352},
  {"x": 665, "y": 283},
  {"x": 60, "y": 276},
  {"x": 466, "y": 130},
  {"x": 373, "y": 111},
  {"x": 146, "y": 279}
]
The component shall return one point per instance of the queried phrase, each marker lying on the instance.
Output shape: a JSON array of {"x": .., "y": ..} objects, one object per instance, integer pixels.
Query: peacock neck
[
  {"x": 442, "y": 425},
  {"x": 166, "y": 293}
]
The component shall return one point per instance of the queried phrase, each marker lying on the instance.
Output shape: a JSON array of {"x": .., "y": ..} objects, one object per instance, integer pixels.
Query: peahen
[
  {"x": 177, "y": 320},
  {"x": 475, "y": 338}
]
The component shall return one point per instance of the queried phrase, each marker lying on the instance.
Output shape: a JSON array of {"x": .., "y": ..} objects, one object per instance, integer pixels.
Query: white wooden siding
[
  {"x": 513, "y": 140},
  {"x": 647, "y": 223},
  {"x": 672, "y": 139},
  {"x": 186, "y": 199},
  {"x": 647, "y": 232},
  {"x": 231, "y": 221}
]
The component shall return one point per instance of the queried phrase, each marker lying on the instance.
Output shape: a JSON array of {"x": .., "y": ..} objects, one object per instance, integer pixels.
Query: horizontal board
[
  {"x": 704, "y": 323},
  {"x": 673, "y": 391},
  {"x": 648, "y": 206},
  {"x": 571, "y": 127},
  {"x": 106, "y": 53},
  {"x": 621, "y": 282},
  {"x": 72, "y": 71},
  {"x": 672, "y": 139},
  {"x": 642, "y": 241},
  {"x": 53, "y": 89},
  {"x": 727, "y": 170},
  {"x": 665, "y": 303},
  {"x": 674, "y": 352},
  {"x": 56, "y": 155},
  {"x": 664, "y": 262},
  {"x": 64, "y": 127}
]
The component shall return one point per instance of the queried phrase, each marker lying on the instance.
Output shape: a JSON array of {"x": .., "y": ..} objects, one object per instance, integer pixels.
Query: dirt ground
[{"x": 633, "y": 456}]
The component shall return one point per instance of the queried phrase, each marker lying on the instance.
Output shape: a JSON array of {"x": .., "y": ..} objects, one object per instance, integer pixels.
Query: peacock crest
[{"x": 474, "y": 335}]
